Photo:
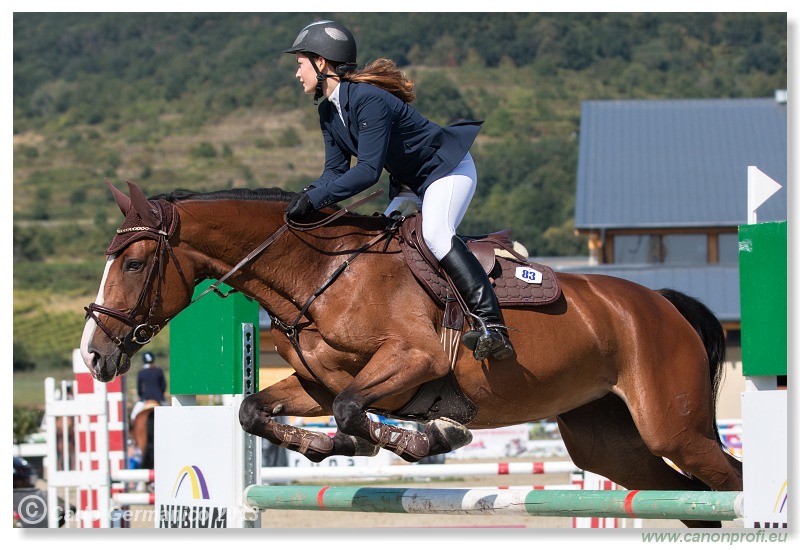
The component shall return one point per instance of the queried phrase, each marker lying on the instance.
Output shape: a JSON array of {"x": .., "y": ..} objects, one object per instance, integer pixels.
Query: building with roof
[{"x": 662, "y": 190}]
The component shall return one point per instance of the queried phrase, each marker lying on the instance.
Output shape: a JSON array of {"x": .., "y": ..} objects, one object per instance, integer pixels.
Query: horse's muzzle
[{"x": 105, "y": 369}]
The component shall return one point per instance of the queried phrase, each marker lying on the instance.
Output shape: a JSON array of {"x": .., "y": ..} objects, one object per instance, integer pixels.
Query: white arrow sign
[{"x": 760, "y": 187}]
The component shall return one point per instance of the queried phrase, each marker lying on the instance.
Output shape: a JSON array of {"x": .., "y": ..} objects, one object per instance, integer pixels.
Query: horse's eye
[{"x": 134, "y": 265}]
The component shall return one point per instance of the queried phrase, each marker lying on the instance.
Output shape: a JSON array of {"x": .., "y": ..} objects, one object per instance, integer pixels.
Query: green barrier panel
[
  {"x": 762, "y": 288},
  {"x": 207, "y": 344}
]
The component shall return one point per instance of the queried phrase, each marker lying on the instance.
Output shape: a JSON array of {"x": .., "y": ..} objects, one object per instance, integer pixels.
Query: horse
[
  {"x": 630, "y": 374},
  {"x": 142, "y": 430}
]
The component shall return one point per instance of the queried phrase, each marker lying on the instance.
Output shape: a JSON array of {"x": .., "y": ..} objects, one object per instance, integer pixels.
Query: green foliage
[
  {"x": 26, "y": 422},
  {"x": 22, "y": 360},
  {"x": 204, "y": 150},
  {"x": 48, "y": 337},
  {"x": 440, "y": 99},
  {"x": 289, "y": 137}
]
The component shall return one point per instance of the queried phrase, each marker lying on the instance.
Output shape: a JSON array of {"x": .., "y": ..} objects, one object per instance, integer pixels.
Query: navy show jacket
[{"x": 383, "y": 132}]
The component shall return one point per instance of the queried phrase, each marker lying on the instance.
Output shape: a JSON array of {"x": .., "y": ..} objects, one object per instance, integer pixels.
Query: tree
[
  {"x": 22, "y": 361},
  {"x": 440, "y": 100}
]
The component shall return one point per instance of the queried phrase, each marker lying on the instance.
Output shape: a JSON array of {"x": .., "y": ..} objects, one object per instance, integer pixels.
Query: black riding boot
[{"x": 490, "y": 336}]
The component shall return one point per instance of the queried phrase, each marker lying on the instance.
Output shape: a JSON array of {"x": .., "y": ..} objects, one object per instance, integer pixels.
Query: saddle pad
[{"x": 510, "y": 289}]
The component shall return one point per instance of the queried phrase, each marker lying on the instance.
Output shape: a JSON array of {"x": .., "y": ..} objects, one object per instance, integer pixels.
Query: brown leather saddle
[{"x": 516, "y": 281}]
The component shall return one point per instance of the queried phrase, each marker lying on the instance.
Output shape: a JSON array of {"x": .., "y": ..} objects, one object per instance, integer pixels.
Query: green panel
[
  {"x": 206, "y": 343},
  {"x": 762, "y": 285}
]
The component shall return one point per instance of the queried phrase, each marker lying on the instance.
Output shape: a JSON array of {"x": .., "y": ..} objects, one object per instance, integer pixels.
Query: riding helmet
[
  {"x": 148, "y": 357},
  {"x": 326, "y": 39}
]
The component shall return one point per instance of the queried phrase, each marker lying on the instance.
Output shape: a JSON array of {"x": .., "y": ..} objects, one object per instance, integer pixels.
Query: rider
[
  {"x": 150, "y": 384},
  {"x": 367, "y": 115}
]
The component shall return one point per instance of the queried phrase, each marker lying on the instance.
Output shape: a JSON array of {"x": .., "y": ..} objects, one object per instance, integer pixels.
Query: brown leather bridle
[{"x": 141, "y": 332}]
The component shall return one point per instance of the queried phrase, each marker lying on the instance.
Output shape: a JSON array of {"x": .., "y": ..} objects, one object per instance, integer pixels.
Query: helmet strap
[
  {"x": 318, "y": 93},
  {"x": 321, "y": 78}
]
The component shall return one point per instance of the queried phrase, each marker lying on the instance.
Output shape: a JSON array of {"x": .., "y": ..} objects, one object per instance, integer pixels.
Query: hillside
[{"x": 208, "y": 101}]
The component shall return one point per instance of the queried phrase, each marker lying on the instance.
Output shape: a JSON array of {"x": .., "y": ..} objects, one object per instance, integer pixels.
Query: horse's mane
[{"x": 274, "y": 194}]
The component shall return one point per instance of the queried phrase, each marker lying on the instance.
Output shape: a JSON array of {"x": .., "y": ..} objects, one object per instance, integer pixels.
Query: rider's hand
[{"x": 299, "y": 206}]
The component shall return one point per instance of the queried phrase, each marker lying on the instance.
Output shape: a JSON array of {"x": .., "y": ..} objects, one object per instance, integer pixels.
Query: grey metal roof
[
  {"x": 716, "y": 286},
  {"x": 678, "y": 163}
]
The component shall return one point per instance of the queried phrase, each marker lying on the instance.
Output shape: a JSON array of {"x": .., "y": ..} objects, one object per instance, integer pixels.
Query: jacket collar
[
  {"x": 339, "y": 129},
  {"x": 344, "y": 97}
]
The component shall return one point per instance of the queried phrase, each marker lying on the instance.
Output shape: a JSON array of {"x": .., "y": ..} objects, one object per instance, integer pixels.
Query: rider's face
[{"x": 306, "y": 73}]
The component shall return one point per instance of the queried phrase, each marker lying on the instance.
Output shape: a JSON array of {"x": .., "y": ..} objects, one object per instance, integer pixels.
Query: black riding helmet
[{"x": 331, "y": 41}]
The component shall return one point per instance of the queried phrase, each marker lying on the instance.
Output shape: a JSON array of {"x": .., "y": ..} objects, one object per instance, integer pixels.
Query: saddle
[
  {"x": 148, "y": 405},
  {"x": 516, "y": 281}
]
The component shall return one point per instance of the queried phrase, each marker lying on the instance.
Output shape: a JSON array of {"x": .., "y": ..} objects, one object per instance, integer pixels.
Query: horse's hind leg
[
  {"x": 601, "y": 437},
  {"x": 294, "y": 396},
  {"x": 678, "y": 422}
]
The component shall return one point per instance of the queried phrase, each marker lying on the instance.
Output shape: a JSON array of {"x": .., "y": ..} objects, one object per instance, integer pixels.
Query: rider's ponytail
[{"x": 384, "y": 74}]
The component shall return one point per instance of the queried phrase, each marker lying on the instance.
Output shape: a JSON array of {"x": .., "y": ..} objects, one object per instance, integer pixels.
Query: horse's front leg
[
  {"x": 386, "y": 382},
  {"x": 295, "y": 396}
]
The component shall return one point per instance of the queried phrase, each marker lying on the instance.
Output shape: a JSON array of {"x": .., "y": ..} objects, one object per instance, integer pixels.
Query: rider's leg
[{"x": 443, "y": 207}]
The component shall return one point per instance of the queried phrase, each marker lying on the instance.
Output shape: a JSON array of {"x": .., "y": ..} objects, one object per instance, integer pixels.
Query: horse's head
[{"x": 143, "y": 285}]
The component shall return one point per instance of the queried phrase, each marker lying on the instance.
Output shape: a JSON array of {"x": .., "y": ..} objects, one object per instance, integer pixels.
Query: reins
[
  {"x": 291, "y": 330},
  {"x": 288, "y": 224}
]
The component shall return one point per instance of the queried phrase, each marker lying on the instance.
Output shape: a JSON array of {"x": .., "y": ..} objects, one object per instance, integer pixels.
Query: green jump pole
[{"x": 695, "y": 505}]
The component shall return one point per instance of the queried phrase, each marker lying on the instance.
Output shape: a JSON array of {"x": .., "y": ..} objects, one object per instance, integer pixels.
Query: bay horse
[
  {"x": 142, "y": 431},
  {"x": 630, "y": 374}
]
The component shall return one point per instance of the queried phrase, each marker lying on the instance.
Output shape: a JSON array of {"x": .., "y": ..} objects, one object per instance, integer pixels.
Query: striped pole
[
  {"x": 287, "y": 473},
  {"x": 696, "y": 505},
  {"x": 147, "y": 476}
]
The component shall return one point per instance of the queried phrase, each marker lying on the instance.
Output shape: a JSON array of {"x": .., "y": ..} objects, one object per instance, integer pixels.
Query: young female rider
[{"x": 367, "y": 115}]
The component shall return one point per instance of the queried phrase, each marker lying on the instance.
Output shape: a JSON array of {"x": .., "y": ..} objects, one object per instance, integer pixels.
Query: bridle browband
[{"x": 141, "y": 332}]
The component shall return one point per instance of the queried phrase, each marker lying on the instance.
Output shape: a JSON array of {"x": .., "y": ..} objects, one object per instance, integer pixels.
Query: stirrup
[{"x": 490, "y": 339}]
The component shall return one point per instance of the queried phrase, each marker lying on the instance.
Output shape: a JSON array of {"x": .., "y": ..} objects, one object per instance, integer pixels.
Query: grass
[{"x": 29, "y": 385}]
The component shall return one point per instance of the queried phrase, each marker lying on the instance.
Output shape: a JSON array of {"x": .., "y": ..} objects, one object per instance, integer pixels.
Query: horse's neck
[{"x": 285, "y": 274}]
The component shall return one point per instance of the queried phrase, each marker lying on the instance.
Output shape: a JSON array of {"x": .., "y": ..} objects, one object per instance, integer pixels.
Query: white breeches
[{"x": 444, "y": 205}]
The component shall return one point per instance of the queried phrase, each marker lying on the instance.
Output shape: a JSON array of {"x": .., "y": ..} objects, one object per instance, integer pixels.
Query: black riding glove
[{"x": 299, "y": 207}]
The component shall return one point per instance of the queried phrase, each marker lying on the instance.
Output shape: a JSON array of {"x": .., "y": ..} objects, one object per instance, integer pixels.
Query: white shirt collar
[{"x": 334, "y": 98}]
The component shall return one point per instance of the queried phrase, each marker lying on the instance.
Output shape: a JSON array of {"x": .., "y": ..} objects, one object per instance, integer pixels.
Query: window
[
  {"x": 633, "y": 249},
  {"x": 728, "y": 248},
  {"x": 676, "y": 249},
  {"x": 684, "y": 249}
]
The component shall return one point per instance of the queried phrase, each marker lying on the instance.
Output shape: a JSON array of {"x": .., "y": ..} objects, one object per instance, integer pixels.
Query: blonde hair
[{"x": 384, "y": 74}]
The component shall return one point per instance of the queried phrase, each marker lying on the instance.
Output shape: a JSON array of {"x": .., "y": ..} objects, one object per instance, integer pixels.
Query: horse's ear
[
  {"x": 142, "y": 205},
  {"x": 123, "y": 201}
]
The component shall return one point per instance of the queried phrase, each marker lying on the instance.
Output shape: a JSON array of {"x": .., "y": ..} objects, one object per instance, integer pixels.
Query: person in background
[{"x": 150, "y": 384}]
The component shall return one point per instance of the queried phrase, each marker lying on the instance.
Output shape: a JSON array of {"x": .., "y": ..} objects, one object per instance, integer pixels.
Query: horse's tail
[{"x": 710, "y": 330}]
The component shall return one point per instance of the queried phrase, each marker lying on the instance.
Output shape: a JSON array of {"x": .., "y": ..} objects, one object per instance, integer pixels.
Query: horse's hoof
[
  {"x": 364, "y": 447},
  {"x": 447, "y": 435}
]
